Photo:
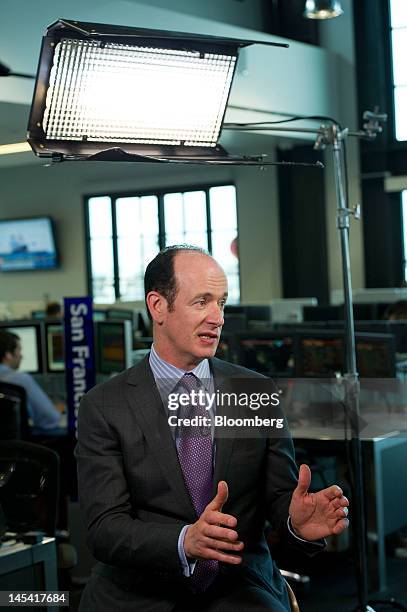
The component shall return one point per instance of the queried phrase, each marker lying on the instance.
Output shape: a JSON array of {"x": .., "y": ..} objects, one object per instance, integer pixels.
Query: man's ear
[
  {"x": 157, "y": 305},
  {"x": 8, "y": 356}
]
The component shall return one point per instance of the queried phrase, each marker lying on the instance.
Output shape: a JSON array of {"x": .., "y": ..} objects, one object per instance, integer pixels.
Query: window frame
[
  {"x": 159, "y": 193},
  {"x": 397, "y": 144}
]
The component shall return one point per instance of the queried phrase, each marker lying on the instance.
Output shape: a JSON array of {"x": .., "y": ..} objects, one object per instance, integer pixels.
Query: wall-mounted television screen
[{"x": 27, "y": 244}]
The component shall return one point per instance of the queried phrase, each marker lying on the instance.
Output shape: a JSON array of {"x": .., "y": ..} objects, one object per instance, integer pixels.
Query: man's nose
[{"x": 216, "y": 316}]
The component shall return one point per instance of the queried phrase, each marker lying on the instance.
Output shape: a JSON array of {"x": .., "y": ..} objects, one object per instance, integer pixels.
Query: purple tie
[{"x": 195, "y": 457}]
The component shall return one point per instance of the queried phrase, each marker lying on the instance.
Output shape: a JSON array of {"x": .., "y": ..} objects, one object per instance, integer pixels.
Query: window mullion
[
  {"x": 115, "y": 252},
  {"x": 208, "y": 220},
  {"x": 89, "y": 271},
  {"x": 161, "y": 221}
]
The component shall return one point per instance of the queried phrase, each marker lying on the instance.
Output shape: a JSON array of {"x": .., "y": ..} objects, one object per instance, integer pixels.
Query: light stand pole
[
  {"x": 334, "y": 136},
  {"x": 351, "y": 379}
]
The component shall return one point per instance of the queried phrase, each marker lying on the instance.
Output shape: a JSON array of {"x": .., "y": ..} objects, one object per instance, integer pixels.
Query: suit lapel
[
  {"x": 143, "y": 395},
  {"x": 224, "y": 445}
]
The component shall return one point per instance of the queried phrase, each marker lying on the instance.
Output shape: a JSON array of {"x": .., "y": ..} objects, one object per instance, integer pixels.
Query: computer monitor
[
  {"x": 364, "y": 312},
  {"x": 321, "y": 354},
  {"x": 114, "y": 345},
  {"x": 98, "y": 314},
  {"x": 142, "y": 324},
  {"x": 227, "y": 347},
  {"x": 269, "y": 353},
  {"x": 120, "y": 314},
  {"x": 376, "y": 355},
  {"x": 336, "y": 312},
  {"x": 38, "y": 314},
  {"x": 323, "y": 312},
  {"x": 54, "y": 347},
  {"x": 399, "y": 330},
  {"x": 257, "y": 315},
  {"x": 234, "y": 322},
  {"x": 290, "y": 309},
  {"x": 29, "y": 333}
]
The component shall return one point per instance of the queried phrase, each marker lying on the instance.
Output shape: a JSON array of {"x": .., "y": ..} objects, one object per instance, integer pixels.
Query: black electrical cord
[
  {"x": 6, "y": 71},
  {"x": 290, "y": 119}
]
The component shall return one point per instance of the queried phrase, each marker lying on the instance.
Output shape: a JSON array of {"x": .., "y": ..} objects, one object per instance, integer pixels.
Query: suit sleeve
[{"x": 114, "y": 536}]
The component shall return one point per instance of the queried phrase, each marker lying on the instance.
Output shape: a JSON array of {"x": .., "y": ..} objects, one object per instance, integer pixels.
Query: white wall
[
  {"x": 336, "y": 35},
  {"x": 244, "y": 13},
  {"x": 58, "y": 190}
]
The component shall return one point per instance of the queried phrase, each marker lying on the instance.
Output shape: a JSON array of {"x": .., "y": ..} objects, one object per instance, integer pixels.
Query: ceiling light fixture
[
  {"x": 15, "y": 147},
  {"x": 322, "y": 9}
]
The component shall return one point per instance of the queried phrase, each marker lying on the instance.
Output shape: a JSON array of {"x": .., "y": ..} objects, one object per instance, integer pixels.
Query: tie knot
[{"x": 191, "y": 382}]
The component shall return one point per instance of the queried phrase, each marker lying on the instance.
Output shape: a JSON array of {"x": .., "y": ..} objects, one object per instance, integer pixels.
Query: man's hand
[
  {"x": 317, "y": 515},
  {"x": 213, "y": 532}
]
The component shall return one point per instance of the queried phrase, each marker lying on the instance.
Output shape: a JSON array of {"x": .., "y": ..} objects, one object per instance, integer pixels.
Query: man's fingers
[
  {"x": 220, "y": 498},
  {"x": 214, "y": 517},
  {"x": 220, "y": 533},
  {"x": 340, "y": 526},
  {"x": 304, "y": 479},
  {"x": 341, "y": 512},
  {"x": 333, "y": 492},
  {"x": 221, "y": 545}
]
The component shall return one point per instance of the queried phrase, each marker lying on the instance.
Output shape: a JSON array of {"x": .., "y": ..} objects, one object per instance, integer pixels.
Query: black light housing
[{"x": 114, "y": 93}]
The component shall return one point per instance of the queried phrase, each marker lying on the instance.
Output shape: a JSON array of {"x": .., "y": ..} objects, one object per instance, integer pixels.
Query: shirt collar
[
  {"x": 4, "y": 367},
  {"x": 168, "y": 376}
]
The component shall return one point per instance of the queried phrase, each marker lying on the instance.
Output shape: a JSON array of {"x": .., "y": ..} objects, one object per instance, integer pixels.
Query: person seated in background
[
  {"x": 396, "y": 311},
  {"x": 44, "y": 414},
  {"x": 53, "y": 309}
]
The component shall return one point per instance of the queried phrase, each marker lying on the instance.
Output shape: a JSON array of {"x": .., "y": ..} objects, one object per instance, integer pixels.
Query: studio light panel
[{"x": 112, "y": 92}]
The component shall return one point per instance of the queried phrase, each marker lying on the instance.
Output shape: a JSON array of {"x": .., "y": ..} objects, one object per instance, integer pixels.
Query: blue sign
[{"x": 79, "y": 353}]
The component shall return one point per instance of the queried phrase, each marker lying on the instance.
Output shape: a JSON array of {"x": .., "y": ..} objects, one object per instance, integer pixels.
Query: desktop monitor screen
[
  {"x": 227, "y": 347},
  {"x": 119, "y": 314},
  {"x": 54, "y": 333},
  {"x": 269, "y": 354},
  {"x": 376, "y": 355},
  {"x": 31, "y": 346},
  {"x": 27, "y": 244},
  {"x": 323, "y": 355},
  {"x": 38, "y": 314},
  {"x": 98, "y": 315},
  {"x": 113, "y": 346}
]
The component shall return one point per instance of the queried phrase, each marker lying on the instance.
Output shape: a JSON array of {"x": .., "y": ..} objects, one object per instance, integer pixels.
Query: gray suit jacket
[{"x": 135, "y": 503}]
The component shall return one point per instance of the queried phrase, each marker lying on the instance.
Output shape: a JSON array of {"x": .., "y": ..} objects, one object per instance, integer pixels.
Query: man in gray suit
[{"x": 176, "y": 517}]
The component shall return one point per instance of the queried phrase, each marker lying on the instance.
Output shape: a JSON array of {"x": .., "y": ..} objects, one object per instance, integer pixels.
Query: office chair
[
  {"x": 30, "y": 497},
  {"x": 13, "y": 412}
]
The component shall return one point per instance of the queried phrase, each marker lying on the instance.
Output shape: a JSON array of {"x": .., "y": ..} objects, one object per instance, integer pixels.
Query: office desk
[
  {"x": 17, "y": 560},
  {"x": 385, "y": 485}
]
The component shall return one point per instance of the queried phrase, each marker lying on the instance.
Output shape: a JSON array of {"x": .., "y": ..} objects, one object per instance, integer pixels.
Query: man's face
[
  {"x": 14, "y": 358},
  {"x": 190, "y": 332}
]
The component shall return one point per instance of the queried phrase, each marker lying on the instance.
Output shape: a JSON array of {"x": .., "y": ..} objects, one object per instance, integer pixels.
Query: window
[
  {"x": 404, "y": 217},
  {"x": 125, "y": 232},
  {"x": 398, "y": 12}
]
